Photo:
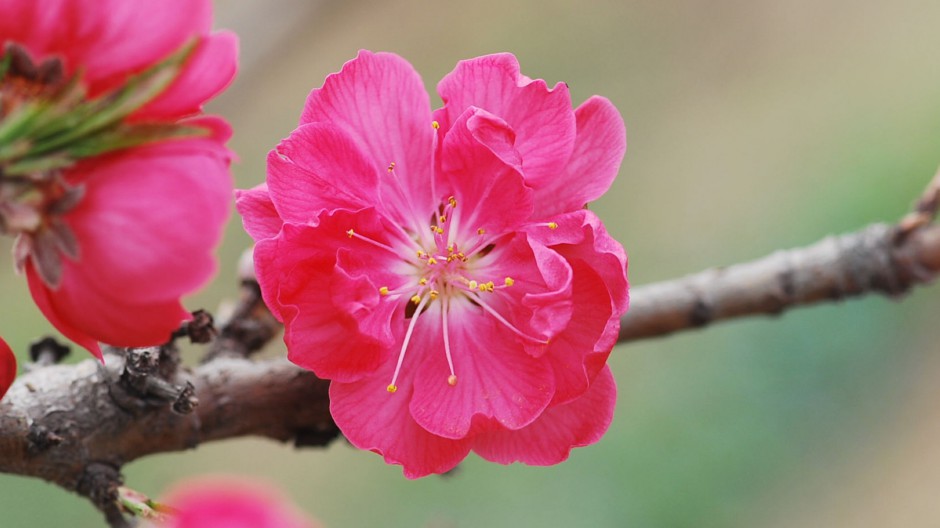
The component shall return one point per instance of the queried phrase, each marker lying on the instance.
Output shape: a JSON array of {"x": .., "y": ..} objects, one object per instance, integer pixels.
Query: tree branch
[{"x": 873, "y": 260}]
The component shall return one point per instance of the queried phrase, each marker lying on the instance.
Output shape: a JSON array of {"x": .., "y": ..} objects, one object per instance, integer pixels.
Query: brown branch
[
  {"x": 60, "y": 423},
  {"x": 876, "y": 259}
]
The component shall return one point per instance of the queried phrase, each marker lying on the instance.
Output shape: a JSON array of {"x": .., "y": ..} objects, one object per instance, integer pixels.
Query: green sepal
[{"x": 68, "y": 127}]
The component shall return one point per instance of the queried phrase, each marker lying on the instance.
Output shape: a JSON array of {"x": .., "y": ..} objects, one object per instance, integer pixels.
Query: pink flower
[
  {"x": 113, "y": 241},
  {"x": 440, "y": 268},
  {"x": 227, "y": 502},
  {"x": 7, "y": 367}
]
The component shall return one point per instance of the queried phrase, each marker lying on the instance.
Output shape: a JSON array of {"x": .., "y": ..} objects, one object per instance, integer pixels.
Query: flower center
[{"x": 447, "y": 269}]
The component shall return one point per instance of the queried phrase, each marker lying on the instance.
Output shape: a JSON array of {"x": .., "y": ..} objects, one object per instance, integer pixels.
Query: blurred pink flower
[
  {"x": 440, "y": 268},
  {"x": 113, "y": 241},
  {"x": 7, "y": 367},
  {"x": 229, "y": 502}
]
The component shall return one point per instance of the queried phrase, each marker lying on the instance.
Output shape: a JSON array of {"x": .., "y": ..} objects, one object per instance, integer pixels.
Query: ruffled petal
[
  {"x": 319, "y": 167},
  {"x": 380, "y": 101},
  {"x": 593, "y": 165},
  {"x": 578, "y": 353},
  {"x": 541, "y": 118},
  {"x": 549, "y": 439},
  {"x": 7, "y": 367},
  {"x": 538, "y": 301},
  {"x": 372, "y": 418},
  {"x": 324, "y": 286},
  {"x": 582, "y": 235},
  {"x": 491, "y": 193},
  {"x": 259, "y": 217},
  {"x": 497, "y": 381}
]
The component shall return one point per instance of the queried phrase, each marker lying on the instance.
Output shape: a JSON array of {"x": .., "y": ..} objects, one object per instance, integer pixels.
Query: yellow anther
[
  {"x": 438, "y": 230},
  {"x": 383, "y": 290},
  {"x": 489, "y": 286},
  {"x": 391, "y": 166},
  {"x": 482, "y": 287},
  {"x": 552, "y": 225},
  {"x": 433, "y": 294},
  {"x": 391, "y": 388},
  {"x": 435, "y": 125},
  {"x": 481, "y": 231},
  {"x": 472, "y": 285},
  {"x": 452, "y": 201},
  {"x": 421, "y": 254},
  {"x": 509, "y": 281},
  {"x": 452, "y": 380},
  {"x": 432, "y": 261},
  {"x": 443, "y": 219},
  {"x": 350, "y": 233},
  {"x": 416, "y": 299},
  {"x": 423, "y": 281}
]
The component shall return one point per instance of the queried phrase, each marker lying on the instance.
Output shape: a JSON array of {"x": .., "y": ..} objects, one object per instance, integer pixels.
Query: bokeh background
[{"x": 753, "y": 125}]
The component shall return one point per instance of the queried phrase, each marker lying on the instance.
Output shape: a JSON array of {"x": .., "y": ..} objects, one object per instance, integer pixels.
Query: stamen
[
  {"x": 383, "y": 290},
  {"x": 509, "y": 281},
  {"x": 507, "y": 324},
  {"x": 452, "y": 379},
  {"x": 472, "y": 285},
  {"x": 435, "y": 141},
  {"x": 481, "y": 231},
  {"x": 352, "y": 234},
  {"x": 416, "y": 299},
  {"x": 552, "y": 225},
  {"x": 404, "y": 346}
]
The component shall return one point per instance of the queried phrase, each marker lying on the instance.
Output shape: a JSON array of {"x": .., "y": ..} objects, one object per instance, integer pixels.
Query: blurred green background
[{"x": 753, "y": 125}]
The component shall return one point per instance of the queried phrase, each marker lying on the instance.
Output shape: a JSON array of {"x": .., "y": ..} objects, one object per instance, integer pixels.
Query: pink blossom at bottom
[
  {"x": 7, "y": 367},
  {"x": 440, "y": 267},
  {"x": 230, "y": 502}
]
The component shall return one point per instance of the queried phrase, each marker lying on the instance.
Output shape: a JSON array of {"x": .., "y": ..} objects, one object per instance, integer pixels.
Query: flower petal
[
  {"x": 208, "y": 70},
  {"x": 106, "y": 39},
  {"x": 496, "y": 379},
  {"x": 578, "y": 353},
  {"x": 549, "y": 439},
  {"x": 539, "y": 301},
  {"x": 319, "y": 167},
  {"x": 380, "y": 100},
  {"x": 598, "y": 151},
  {"x": 492, "y": 192},
  {"x": 230, "y": 502},
  {"x": 541, "y": 118},
  {"x": 7, "y": 367},
  {"x": 582, "y": 235},
  {"x": 372, "y": 418},
  {"x": 259, "y": 217},
  {"x": 324, "y": 286}
]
